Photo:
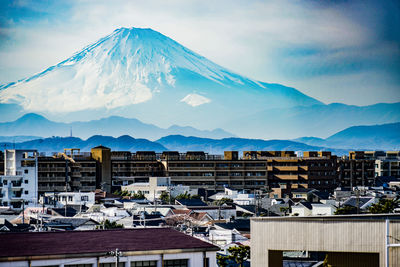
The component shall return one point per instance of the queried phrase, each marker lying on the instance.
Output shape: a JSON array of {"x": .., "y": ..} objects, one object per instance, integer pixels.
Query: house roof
[
  {"x": 96, "y": 242},
  {"x": 191, "y": 202},
  {"x": 352, "y": 201},
  {"x": 238, "y": 224},
  {"x": 183, "y": 212}
]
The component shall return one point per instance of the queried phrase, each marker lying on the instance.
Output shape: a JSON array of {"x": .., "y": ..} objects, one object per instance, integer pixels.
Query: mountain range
[
  {"x": 38, "y": 125},
  {"x": 148, "y": 77},
  {"x": 376, "y": 137}
]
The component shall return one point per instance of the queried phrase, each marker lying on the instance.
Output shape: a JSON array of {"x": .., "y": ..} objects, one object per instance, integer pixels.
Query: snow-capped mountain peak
[{"x": 126, "y": 67}]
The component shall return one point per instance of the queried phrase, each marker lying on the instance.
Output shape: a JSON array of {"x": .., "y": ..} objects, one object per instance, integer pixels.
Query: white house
[
  {"x": 19, "y": 185},
  {"x": 69, "y": 198},
  {"x": 155, "y": 187},
  {"x": 238, "y": 197}
]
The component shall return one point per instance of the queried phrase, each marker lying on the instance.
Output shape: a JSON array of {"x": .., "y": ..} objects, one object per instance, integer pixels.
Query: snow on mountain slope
[{"x": 126, "y": 67}]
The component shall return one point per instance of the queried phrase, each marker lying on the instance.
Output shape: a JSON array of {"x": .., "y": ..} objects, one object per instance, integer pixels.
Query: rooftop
[{"x": 96, "y": 242}]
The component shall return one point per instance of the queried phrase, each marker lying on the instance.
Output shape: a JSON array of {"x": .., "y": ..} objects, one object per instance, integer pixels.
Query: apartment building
[
  {"x": 358, "y": 169},
  {"x": 69, "y": 171},
  {"x": 198, "y": 169},
  {"x": 387, "y": 164},
  {"x": 19, "y": 184}
]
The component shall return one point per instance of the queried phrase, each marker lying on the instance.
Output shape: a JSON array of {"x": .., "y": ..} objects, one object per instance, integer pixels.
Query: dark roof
[
  {"x": 191, "y": 202},
  {"x": 352, "y": 201},
  {"x": 71, "y": 212},
  {"x": 96, "y": 242},
  {"x": 73, "y": 222},
  {"x": 303, "y": 190},
  {"x": 306, "y": 204},
  {"x": 239, "y": 224},
  {"x": 321, "y": 194}
]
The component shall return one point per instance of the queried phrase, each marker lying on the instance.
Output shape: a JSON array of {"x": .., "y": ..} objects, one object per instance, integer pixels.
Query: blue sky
[{"x": 335, "y": 51}]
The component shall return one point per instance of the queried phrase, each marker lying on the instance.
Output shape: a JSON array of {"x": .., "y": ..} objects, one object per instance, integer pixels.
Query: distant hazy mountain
[
  {"x": 214, "y": 146},
  {"x": 18, "y": 138},
  {"x": 317, "y": 120},
  {"x": 115, "y": 126},
  {"x": 375, "y": 137},
  {"x": 57, "y": 144}
]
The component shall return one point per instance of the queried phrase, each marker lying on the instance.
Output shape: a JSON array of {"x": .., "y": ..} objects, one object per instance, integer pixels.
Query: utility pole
[{"x": 116, "y": 255}]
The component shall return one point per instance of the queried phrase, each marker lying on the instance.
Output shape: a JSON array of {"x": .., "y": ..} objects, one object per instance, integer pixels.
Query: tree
[
  {"x": 223, "y": 201},
  {"x": 238, "y": 254},
  {"x": 112, "y": 225},
  {"x": 346, "y": 210},
  {"x": 165, "y": 197},
  {"x": 138, "y": 195},
  {"x": 222, "y": 261},
  {"x": 384, "y": 206}
]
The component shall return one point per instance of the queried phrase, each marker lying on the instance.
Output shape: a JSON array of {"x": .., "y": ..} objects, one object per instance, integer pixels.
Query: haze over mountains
[
  {"x": 146, "y": 76},
  {"x": 377, "y": 137},
  {"x": 38, "y": 125}
]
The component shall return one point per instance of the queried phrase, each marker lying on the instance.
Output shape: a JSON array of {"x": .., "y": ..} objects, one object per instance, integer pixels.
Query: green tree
[
  {"x": 384, "y": 206},
  {"x": 346, "y": 210},
  {"x": 183, "y": 196},
  {"x": 138, "y": 195},
  {"x": 222, "y": 260},
  {"x": 239, "y": 254},
  {"x": 112, "y": 225},
  {"x": 223, "y": 201}
]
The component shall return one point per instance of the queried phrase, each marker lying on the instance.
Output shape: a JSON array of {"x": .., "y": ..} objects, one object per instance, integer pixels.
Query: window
[
  {"x": 80, "y": 265},
  {"x": 26, "y": 192},
  {"x": 5, "y": 182},
  {"x": 144, "y": 264},
  {"x": 112, "y": 264},
  {"x": 26, "y": 171},
  {"x": 84, "y": 198},
  {"x": 70, "y": 198},
  {"x": 176, "y": 263},
  {"x": 26, "y": 181}
]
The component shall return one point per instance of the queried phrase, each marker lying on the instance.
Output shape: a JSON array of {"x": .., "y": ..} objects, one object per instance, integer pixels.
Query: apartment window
[
  {"x": 112, "y": 264},
  {"x": 144, "y": 264},
  {"x": 26, "y": 171},
  {"x": 5, "y": 182},
  {"x": 70, "y": 198},
  {"x": 26, "y": 192},
  {"x": 81, "y": 265},
  {"x": 64, "y": 198},
  {"x": 176, "y": 263},
  {"x": 84, "y": 198},
  {"x": 26, "y": 181}
]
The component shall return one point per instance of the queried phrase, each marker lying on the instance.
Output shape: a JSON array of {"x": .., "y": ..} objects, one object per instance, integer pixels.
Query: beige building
[{"x": 348, "y": 240}]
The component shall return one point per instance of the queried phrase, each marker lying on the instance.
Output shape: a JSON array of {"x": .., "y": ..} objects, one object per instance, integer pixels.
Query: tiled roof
[{"x": 96, "y": 242}]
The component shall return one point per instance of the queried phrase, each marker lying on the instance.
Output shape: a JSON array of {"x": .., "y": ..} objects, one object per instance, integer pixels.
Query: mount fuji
[{"x": 143, "y": 74}]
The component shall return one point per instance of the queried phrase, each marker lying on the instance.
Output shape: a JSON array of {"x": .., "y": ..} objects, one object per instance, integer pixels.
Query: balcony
[
  {"x": 286, "y": 177},
  {"x": 16, "y": 183}
]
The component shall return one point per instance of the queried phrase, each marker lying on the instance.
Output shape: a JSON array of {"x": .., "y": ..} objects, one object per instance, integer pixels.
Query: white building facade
[{"x": 19, "y": 185}]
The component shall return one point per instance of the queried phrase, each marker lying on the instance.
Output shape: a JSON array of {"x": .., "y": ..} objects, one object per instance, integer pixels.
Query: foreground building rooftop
[{"x": 41, "y": 245}]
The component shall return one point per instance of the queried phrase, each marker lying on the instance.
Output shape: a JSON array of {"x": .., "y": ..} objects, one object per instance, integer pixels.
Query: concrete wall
[{"x": 270, "y": 236}]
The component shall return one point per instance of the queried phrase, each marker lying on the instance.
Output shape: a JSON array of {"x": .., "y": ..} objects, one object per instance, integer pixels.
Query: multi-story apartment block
[
  {"x": 19, "y": 184},
  {"x": 356, "y": 170},
  {"x": 201, "y": 170},
  {"x": 388, "y": 164},
  {"x": 69, "y": 171}
]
